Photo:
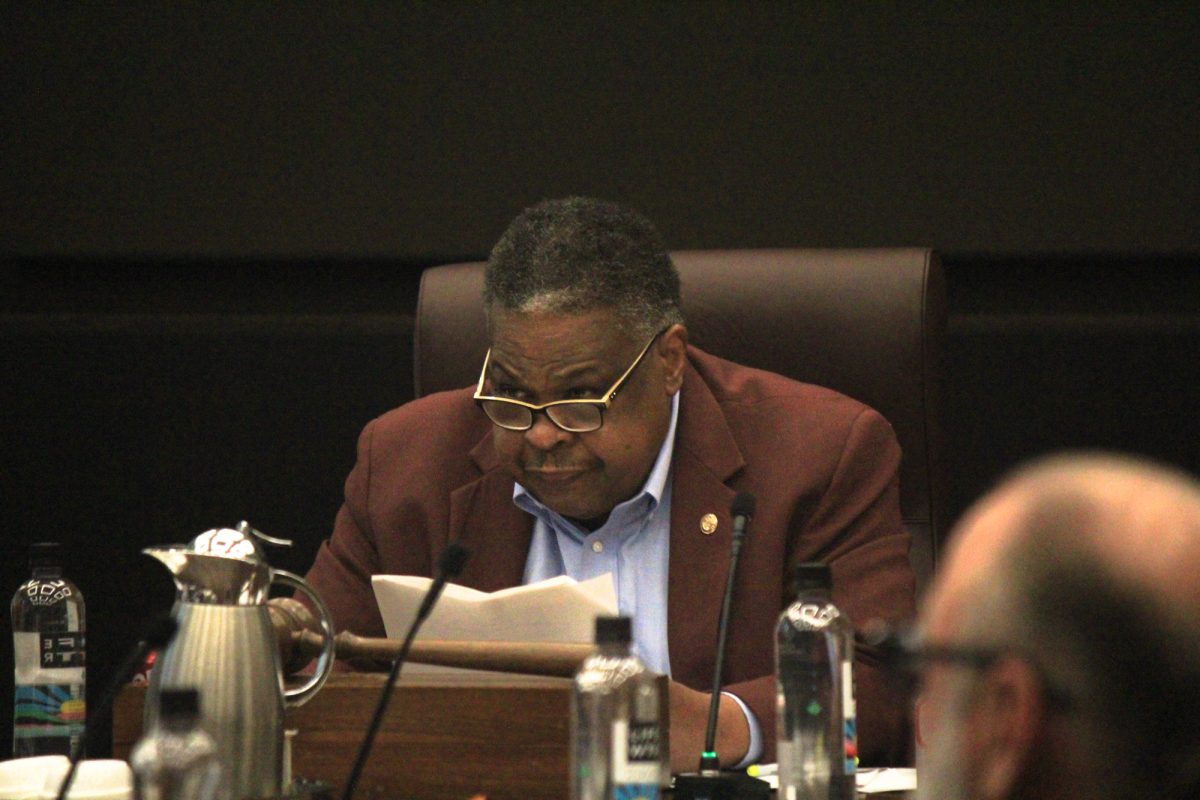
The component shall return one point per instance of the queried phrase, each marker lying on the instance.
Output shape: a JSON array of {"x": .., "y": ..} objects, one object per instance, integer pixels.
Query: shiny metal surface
[
  {"x": 215, "y": 579},
  {"x": 229, "y": 654},
  {"x": 226, "y": 647},
  {"x": 299, "y": 695}
]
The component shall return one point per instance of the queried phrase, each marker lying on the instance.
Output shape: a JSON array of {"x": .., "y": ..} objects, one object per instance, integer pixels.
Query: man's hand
[{"x": 689, "y": 719}]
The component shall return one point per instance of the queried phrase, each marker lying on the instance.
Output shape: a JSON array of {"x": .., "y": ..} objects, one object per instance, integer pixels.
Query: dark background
[{"x": 213, "y": 218}]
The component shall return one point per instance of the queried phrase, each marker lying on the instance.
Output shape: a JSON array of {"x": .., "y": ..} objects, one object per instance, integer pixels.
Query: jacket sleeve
[{"x": 341, "y": 573}]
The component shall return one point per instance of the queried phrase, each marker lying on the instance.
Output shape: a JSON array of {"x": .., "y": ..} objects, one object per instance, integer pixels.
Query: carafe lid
[
  {"x": 241, "y": 542},
  {"x": 222, "y": 566}
]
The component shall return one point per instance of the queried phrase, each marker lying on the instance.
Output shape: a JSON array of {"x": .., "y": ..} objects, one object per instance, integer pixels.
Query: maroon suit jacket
[{"x": 822, "y": 467}]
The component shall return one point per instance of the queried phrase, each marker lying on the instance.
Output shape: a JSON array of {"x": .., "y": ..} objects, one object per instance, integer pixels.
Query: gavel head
[{"x": 297, "y": 632}]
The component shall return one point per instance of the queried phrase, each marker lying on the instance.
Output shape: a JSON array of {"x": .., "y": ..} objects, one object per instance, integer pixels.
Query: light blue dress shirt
[{"x": 634, "y": 544}]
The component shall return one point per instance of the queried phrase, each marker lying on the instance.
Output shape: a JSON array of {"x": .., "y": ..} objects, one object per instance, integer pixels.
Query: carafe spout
[{"x": 214, "y": 579}]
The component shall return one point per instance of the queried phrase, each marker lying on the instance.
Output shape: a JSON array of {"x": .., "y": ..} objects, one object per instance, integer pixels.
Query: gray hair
[{"x": 581, "y": 254}]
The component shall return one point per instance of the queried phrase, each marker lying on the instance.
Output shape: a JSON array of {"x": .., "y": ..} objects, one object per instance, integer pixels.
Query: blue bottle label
[
  {"x": 635, "y": 768},
  {"x": 849, "y": 718},
  {"x": 48, "y": 710}
]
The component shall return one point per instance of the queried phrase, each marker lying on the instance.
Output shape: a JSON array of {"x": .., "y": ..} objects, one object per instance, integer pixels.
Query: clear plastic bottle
[
  {"x": 177, "y": 759},
  {"x": 619, "y": 748},
  {"x": 49, "y": 674},
  {"x": 817, "y": 732}
]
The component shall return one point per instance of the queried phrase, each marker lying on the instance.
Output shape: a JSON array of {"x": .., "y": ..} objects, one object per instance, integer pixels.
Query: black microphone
[
  {"x": 157, "y": 635},
  {"x": 450, "y": 564},
  {"x": 711, "y": 783}
]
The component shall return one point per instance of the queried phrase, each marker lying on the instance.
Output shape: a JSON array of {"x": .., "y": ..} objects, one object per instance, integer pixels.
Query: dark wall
[
  {"x": 146, "y": 402},
  {"x": 1069, "y": 352},
  {"x": 417, "y": 129},
  {"x": 213, "y": 220}
]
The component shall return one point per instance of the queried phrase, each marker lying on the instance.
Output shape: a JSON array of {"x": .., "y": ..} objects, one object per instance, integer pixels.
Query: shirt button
[{"x": 597, "y": 546}]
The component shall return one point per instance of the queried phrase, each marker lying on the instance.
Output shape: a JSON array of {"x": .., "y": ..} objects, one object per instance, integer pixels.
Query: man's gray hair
[{"x": 581, "y": 254}]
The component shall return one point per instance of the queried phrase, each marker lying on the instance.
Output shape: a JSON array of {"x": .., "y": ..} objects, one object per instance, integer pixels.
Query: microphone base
[{"x": 730, "y": 785}]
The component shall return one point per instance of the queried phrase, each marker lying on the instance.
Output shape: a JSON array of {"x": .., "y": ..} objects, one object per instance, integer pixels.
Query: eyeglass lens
[{"x": 574, "y": 417}]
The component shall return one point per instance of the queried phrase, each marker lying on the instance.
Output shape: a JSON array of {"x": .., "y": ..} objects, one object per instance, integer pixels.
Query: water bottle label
[
  {"x": 635, "y": 767},
  {"x": 851, "y": 746},
  {"x": 849, "y": 718},
  {"x": 48, "y": 658},
  {"x": 61, "y": 650},
  {"x": 50, "y": 709}
]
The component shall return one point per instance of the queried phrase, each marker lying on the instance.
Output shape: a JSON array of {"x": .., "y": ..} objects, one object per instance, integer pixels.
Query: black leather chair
[{"x": 869, "y": 323}]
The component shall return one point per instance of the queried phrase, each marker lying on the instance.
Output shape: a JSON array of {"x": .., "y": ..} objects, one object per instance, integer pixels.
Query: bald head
[
  {"x": 1140, "y": 522},
  {"x": 1088, "y": 567}
]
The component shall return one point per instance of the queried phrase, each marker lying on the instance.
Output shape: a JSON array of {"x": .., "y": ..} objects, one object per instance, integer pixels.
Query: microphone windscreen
[
  {"x": 742, "y": 505},
  {"x": 161, "y": 632},
  {"x": 452, "y": 560}
]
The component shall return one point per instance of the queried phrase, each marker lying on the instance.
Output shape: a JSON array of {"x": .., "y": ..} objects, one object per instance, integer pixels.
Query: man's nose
[{"x": 544, "y": 434}]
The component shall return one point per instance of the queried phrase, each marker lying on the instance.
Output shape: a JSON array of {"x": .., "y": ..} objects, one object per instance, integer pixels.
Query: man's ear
[
  {"x": 1005, "y": 724},
  {"x": 672, "y": 353}
]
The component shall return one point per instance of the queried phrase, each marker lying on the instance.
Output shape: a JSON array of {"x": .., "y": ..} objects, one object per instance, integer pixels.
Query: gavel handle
[
  {"x": 299, "y": 641},
  {"x": 530, "y": 658}
]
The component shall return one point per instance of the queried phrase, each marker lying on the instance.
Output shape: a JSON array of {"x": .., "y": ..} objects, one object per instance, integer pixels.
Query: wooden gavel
[{"x": 300, "y": 640}]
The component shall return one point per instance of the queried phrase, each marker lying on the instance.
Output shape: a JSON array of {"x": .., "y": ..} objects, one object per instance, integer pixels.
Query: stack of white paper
[{"x": 556, "y": 610}]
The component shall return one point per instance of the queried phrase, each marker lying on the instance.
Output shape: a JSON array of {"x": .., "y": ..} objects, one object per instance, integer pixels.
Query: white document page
[{"x": 555, "y": 610}]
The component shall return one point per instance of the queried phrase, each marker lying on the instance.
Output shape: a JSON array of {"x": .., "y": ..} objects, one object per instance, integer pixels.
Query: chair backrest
[{"x": 869, "y": 323}]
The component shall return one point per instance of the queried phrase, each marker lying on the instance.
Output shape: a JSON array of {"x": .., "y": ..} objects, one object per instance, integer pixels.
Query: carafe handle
[{"x": 300, "y": 695}]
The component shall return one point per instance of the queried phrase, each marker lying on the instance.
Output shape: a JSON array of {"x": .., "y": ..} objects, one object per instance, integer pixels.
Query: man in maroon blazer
[{"x": 596, "y": 425}]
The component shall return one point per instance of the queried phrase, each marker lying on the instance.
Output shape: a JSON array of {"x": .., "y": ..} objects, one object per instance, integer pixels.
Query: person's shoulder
[
  {"x": 444, "y": 420},
  {"x": 737, "y": 387},
  {"x": 774, "y": 417}
]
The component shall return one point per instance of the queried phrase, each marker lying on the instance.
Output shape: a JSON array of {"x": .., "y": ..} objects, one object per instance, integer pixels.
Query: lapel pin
[{"x": 708, "y": 524}]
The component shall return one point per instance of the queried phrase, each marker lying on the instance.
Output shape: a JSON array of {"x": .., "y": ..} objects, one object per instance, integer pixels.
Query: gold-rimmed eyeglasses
[{"x": 573, "y": 416}]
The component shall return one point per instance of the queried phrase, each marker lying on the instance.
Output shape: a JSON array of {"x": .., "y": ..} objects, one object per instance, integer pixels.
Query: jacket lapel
[
  {"x": 495, "y": 532},
  {"x": 706, "y": 457}
]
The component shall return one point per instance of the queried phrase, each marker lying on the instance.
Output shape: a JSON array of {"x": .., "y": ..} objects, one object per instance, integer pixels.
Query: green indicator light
[
  {"x": 813, "y": 708},
  {"x": 709, "y": 754}
]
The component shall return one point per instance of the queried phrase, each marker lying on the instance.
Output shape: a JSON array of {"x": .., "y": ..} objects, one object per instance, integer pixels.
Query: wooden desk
[{"x": 443, "y": 738}]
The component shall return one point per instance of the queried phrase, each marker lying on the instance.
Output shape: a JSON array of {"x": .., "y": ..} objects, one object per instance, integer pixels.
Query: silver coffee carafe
[{"x": 226, "y": 648}]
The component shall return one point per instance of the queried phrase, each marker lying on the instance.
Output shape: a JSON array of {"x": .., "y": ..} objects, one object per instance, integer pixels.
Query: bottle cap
[
  {"x": 613, "y": 630},
  {"x": 813, "y": 576},
  {"x": 45, "y": 554},
  {"x": 179, "y": 702}
]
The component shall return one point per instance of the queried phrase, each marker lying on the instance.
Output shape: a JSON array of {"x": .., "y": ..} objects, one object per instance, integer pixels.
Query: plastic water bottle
[
  {"x": 177, "y": 759},
  {"x": 817, "y": 731},
  {"x": 49, "y": 709},
  {"x": 619, "y": 748}
]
